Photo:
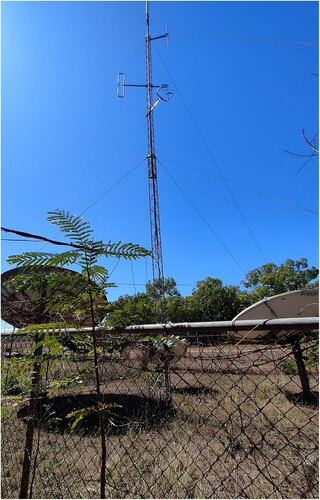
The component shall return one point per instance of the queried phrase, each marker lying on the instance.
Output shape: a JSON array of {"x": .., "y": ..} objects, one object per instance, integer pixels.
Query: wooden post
[
  {"x": 32, "y": 418},
  {"x": 297, "y": 352}
]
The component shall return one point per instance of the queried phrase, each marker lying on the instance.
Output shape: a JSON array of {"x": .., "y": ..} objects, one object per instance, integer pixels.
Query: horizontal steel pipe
[{"x": 277, "y": 324}]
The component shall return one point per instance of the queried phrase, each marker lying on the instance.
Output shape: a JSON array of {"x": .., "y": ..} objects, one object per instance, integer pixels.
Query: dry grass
[{"x": 235, "y": 433}]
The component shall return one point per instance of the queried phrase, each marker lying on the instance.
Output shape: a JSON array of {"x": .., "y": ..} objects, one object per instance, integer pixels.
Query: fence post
[
  {"x": 297, "y": 352},
  {"x": 32, "y": 418}
]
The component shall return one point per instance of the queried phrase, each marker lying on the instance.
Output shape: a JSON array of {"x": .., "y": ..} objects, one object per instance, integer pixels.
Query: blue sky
[{"x": 244, "y": 80}]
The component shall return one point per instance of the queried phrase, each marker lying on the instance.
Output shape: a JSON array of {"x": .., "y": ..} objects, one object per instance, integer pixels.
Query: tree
[
  {"x": 142, "y": 308},
  {"x": 271, "y": 279},
  {"x": 313, "y": 150},
  {"x": 85, "y": 253},
  {"x": 178, "y": 309},
  {"x": 213, "y": 301},
  {"x": 210, "y": 301},
  {"x": 162, "y": 287},
  {"x": 135, "y": 309},
  {"x": 161, "y": 292}
]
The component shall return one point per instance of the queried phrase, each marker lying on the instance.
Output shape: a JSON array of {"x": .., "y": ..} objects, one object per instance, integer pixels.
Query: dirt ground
[{"x": 226, "y": 423}]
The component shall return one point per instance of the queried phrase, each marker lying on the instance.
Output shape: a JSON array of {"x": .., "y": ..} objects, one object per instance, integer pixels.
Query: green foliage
[
  {"x": 79, "y": 415},
  {"x": 160, "y": 343},
  {"x": 13, "y": 385},
  {"x": 53, "y": 294},
  {"x": 289, "y": 367},
  {"x": 72, "y": 292},
  {"x": 67, "y": 340},
  {"x": 210, "y": 301},
  {"x": 76, "y": 228},
  {"x": 15, "y": 377},
  {"x": 271, "y": 279},
  {"x": 125, "y": 250},
  {"x": 178, "y": 309},
  {"x": 88, "y": 251},
  {"x": 166, "y": 287},
  {"x": 66, "y": 381},
  {"x": 139, "y": 309},
  {"x": 312, "y": 356},
  {"x": 79, "y": 294},
  {"x": 152, "y": 377},
  {"x": 36, "y": 330},
  {"x": 130, "y": 310},
  {"x": 310, "y": 359},
  {"x": 106, "y": 409},
  {"x": 213, "y": 301},
  {"x": 32, "y": 259}
]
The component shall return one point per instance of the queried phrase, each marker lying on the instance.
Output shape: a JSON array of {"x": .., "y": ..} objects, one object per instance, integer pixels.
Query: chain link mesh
[{"x": 225, "y": 421}]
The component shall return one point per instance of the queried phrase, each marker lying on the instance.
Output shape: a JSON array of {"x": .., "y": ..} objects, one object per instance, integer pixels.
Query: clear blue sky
[{"x": 244, "y": 78}]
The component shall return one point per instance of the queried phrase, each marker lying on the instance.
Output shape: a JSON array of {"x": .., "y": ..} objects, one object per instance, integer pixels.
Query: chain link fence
[{"x": 225, "y": 420}]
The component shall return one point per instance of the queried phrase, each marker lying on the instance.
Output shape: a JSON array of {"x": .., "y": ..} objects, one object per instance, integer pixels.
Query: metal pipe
[{"x": 277, "y": 324}]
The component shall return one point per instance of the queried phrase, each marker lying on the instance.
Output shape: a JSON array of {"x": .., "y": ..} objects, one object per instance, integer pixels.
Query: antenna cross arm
[
  {"x": 160, "y": 36},
  {"x": 121, "y": 85},
  {"x": 134, "y": 85}
]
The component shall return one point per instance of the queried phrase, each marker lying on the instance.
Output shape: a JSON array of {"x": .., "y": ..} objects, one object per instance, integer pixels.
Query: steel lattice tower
[
  {"x": 157, "y": 262},
  {"x": 162, "y": 95}
]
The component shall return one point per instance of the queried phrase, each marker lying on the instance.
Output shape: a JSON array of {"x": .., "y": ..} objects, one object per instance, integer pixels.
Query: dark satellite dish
[
  {"x": 296, "y": 304},
  {"x": 21, "y": 309}
]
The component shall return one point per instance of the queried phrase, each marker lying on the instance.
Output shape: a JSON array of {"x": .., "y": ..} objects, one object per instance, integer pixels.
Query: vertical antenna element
[{"x": 157, "y": 263}]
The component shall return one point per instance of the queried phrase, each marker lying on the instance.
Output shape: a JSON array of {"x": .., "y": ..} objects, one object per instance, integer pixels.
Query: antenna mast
[
  {"x": 162, "y": 95},
  {"x": 157, "y": 263}
]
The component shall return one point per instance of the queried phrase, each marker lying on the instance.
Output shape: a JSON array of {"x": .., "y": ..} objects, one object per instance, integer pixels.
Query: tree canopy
[
  {"x": 211, "y": 300},
  {"x": 271, "y": 279}
]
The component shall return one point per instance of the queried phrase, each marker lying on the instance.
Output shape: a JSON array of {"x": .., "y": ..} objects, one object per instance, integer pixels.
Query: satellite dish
[
  {"x": 19, "y": 308},
  {"x": 296, "y": 304}
]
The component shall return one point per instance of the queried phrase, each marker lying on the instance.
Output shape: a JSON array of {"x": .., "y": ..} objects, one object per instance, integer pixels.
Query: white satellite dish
[{"x": 296, "y": 304}]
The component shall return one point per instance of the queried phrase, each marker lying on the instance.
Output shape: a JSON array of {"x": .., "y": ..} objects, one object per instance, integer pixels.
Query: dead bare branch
[{"x": 311, "y": 142}]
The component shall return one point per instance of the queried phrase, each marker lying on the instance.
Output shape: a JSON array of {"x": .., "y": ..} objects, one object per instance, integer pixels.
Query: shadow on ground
[
  {"x": 311, "y": 399},
  {"x": 195, "y": 391},
  {"x": 122, "y": 411}
]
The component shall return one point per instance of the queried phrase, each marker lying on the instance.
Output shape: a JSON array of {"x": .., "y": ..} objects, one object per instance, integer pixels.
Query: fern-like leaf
[
  {"x": 75, "y": 227},
  {"x": 99, "y": 273},
  {"x": 56, "y": 328},
  {"x": 33, "y": 259},
  {"x": 125, "y": 250}
]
